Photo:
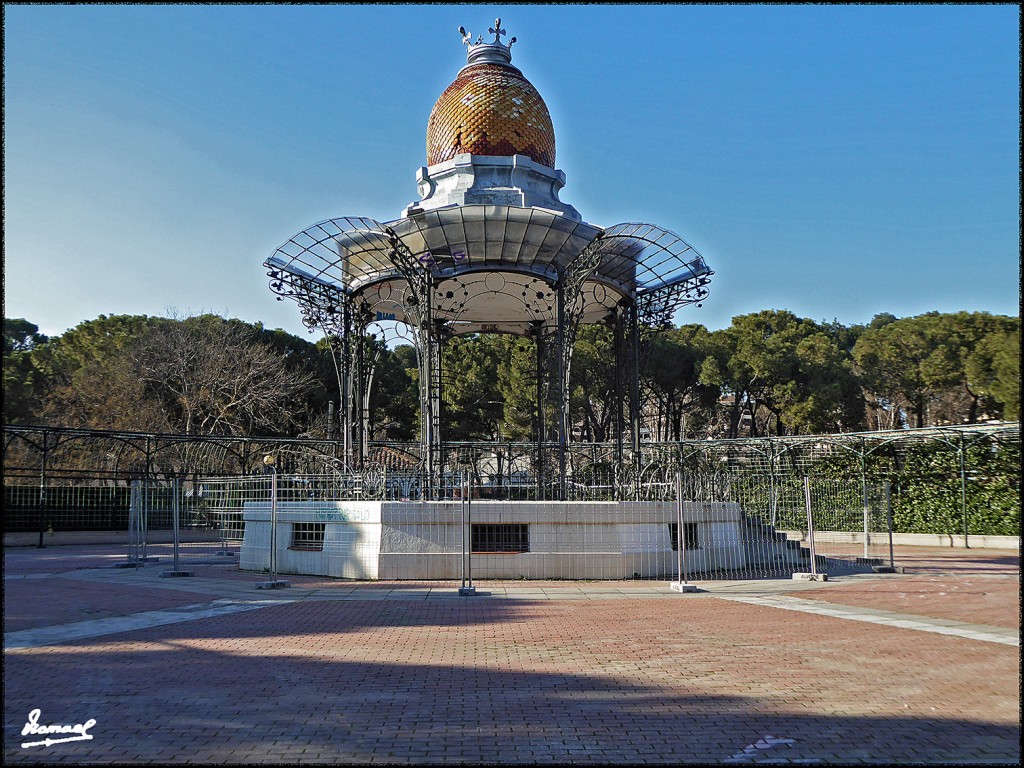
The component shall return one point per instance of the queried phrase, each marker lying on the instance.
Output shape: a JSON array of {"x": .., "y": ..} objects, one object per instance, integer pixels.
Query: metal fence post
[
  {"x": 888, "y": 512},
  {"x": 176, "y": 517},
  {"x": 134, "y": 505},
  {"x": 810, "y": 526},
  {"x": 42, "y": 488},
  {"x": 144, "y": 520},
  {"x": 273, "y": 526},
  {"x": 134, "y": 511},
  {"x": 681, "y": 585},
  {"x": 963, "y": 490},
  {"x": 269, "y": 468},
  {"x": 466, "y": 488},
  {"x": 176, "y": 527},
  {"x": 867, "y": 510}
]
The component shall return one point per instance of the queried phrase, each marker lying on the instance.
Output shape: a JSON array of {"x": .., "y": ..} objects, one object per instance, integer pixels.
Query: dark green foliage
[
  {"x": 394, "y": 399},
  {"x": 473, "y": 405},
  {"x": 785, "y": 374},
  {"x": 926, "y": 489},
  {"x": 941, "y": 368},
  {"x": 928, "y": 493},
  {"x": 22, "y": 387},
  {"x": 198, "y": 375},
  {"x": 592, "y": 384}
]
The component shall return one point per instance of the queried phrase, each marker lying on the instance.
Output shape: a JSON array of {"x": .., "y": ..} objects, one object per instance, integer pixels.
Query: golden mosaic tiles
[{"x": 490, "y": 109}]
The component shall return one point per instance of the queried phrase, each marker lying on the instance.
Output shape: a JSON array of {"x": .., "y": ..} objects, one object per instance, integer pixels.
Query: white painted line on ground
[
  {"x": 63, "y": 633},
  {"x": 920, "y": 623}
]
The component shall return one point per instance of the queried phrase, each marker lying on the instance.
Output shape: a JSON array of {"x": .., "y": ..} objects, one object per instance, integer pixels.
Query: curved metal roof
[{"x": 494, "y": 268}]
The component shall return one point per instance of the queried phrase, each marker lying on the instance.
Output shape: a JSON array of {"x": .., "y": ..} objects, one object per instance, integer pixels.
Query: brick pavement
[
  {"x": 42, "y": 602},
  {"x": 976, "y": 599},
  {"x": 953, "y": 560},
  {"x": 409, "y": 673}
]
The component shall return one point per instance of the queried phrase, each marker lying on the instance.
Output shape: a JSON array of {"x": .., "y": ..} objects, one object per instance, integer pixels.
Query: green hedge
[{"x": 927, "y": 493}]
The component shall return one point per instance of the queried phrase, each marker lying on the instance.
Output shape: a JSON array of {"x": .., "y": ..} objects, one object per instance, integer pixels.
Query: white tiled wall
[{"x": 414, "y": 540}]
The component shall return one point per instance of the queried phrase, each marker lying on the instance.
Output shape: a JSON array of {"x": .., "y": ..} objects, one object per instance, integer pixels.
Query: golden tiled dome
[{"x": 490, "y": 109}]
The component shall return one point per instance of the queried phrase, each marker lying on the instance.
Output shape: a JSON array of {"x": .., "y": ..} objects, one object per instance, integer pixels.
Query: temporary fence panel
[
  {"x": 778, "y": 517},
  {"x": 337, "y": 525},
  {"x": 850, "y": 524},
  {"x": 69, "y": 504},
  {"x": 176, "y": 521}
]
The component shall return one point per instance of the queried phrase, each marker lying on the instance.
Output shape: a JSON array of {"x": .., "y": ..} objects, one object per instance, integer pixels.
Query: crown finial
[{"x": 495, "y": 51}]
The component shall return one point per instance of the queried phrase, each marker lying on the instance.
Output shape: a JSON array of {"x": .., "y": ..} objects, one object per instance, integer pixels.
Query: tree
[
  {"x": 992, "y": 369},
  {"x": 517, "y": 383},
  {"x": 746, "y": 359},
  {"x": 592, "y": 400},
  {"x": 90, "y": 381},
  {"x": 393, "y": 398},
  {"x": 21, "y": 336},
  {"x": 216, "y": 376},
  {"x": 937, "y": 366},
  {"x": 892, "y": 361},
  {"x": 672, "y": 387},
  {"x": 827, "y": 395},
  {"x": 199, "y": 375},
  {"x": 473, "y": 406},
  {"x": 23, "y": 383},
  {"x": 967, "y": 337},
  {"x": 782, "y": 371}
]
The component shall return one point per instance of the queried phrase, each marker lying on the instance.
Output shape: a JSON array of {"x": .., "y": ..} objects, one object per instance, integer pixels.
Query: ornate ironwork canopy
[{"x": 492, "y": 268}]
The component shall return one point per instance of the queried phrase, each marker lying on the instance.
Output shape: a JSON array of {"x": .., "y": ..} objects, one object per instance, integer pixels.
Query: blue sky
[{"x": 836, "y": 161}]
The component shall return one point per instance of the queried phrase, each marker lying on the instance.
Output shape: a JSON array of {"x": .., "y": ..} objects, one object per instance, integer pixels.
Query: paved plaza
[{"x": 921, "y": 666}]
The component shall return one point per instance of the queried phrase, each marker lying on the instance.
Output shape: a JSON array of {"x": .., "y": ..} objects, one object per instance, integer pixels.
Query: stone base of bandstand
[{"x": 424, "y": 540}]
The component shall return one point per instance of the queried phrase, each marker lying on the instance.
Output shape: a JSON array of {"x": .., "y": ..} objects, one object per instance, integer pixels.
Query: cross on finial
[{"x": 497, "y": 31}]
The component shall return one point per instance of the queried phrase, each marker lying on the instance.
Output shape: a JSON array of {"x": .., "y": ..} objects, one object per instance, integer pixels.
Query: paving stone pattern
[
  {"x": 976, "y": 599},
  {"x": 546, "y": 673}
]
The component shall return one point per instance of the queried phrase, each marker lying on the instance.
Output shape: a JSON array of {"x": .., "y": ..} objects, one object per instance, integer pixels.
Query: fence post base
[
  {"x": 681, "y": 587},
  {"x": 467, "y": 591},
  {"x": 810, "y": 577},
  {"x": 278, "y": 584}
]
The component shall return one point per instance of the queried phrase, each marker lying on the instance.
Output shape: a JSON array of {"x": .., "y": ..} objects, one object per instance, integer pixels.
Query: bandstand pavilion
[{"x": 489, "y": 247}]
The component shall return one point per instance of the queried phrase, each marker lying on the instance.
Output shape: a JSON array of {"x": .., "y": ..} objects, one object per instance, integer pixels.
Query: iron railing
[{"x": 58, "y": 479}]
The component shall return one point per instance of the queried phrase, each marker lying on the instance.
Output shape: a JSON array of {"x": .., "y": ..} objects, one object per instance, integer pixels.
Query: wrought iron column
[
  {"x": 426, "y": 360},
  {"x": 430, "y": 387},
  {"x": 359, "y": 420},
  {"x": 619, "y": 346},
  {"x": 538, "y": 330},
  {"x": 346, "y": 381},
  {"x": 563, "y": 386},
  {"x": 440, "y": 339},
  {"x": 634, "y": 396}
]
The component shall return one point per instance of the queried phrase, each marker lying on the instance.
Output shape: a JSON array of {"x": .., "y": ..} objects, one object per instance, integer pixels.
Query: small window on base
[
  {"x": 503, "y": 537},
  {"x": 689, "y": 530},
  {"x": 308, "y": 536}
]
